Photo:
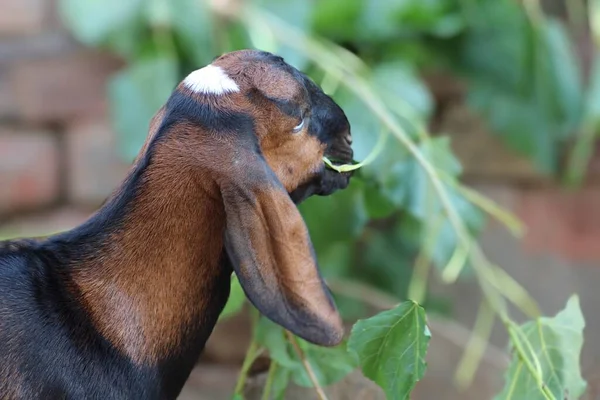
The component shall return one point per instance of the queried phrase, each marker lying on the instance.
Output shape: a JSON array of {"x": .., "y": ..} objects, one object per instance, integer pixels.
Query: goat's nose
[{"x": 348, "y": 138}]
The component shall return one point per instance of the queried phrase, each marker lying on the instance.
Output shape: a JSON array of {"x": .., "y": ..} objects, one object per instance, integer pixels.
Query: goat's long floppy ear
[{"x": 272, "y": 255}]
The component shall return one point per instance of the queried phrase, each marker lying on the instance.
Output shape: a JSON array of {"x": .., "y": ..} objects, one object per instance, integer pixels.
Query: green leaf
[
  {"x": 557, "y": 343},
  {"x": 336, "y": 218},
  {"x": 386, "y": 261},
  {"x": 408, "y": 184},
  {"x": 564, "y": 74},
  {"x": 281, "y": 381},
  {"x": 236, "y": 300},
  {"x": 136, "y": 94},
  {"x": 387, "y": 19},
  {"x": 338, "y": 19},
  {"x": 533, "y": 98},
  {"x": 593, "y": 94},
  {"x": 377, "y": 204},
  {"x": 330, "y": 364},
  {"x": 399, "y": 83},
  {"x": 391, "y": 347},
  {"x": 91, "y": 21},
  {"x": 336, "y": 258},
  {"x": 192, "y": 23},
  {"x": 298, "y": 14}
]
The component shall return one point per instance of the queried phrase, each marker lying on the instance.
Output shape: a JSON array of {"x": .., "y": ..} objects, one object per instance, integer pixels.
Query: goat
[{"x": 121, "y": 306}]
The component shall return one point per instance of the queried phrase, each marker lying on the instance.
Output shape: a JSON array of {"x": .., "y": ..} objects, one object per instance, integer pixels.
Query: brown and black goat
[{"x": 121, "y": 306}]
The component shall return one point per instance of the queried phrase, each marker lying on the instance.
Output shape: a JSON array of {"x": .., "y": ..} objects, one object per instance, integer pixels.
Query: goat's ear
[{"x": 272, "y": 255}]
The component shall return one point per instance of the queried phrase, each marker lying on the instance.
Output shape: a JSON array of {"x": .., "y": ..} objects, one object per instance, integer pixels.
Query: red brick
[
  {"x": 28, "y": 170},
  {"x": 562, "y": 223},
  {"x": 18, "y": 17},
  {"x": 94, "y": 168},
  {"x": 50, "y": 44},
  {"x": 62, "y": 88}
]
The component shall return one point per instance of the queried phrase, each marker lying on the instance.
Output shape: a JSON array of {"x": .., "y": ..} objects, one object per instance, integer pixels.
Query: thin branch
[
  {"x": 253, "y": 352},
  {"x": 475, "y": 349},
  {"x": 269, "y": 382},
  {"x": 307, "y": 366}
]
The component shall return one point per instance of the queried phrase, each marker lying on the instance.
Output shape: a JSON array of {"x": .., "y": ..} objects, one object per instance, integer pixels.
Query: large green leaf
[
  {"x": 330, "y": 364},
  {"x": 557, "y": 343},
  {"x": 136, "y": 94},
  {"x": 391, "y": 347},
  {"x": 93, "y": 20}
]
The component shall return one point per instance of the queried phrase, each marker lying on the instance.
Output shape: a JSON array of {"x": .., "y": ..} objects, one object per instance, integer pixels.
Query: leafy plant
[
  {"x": 405, "y": 210},
  {"x": 391, "y": 347}
]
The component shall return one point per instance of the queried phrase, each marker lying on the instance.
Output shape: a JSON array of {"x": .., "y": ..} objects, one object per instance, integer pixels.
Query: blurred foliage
[
  {"x": 520, "y": 74},
  {"x": 557, "y": 343}
]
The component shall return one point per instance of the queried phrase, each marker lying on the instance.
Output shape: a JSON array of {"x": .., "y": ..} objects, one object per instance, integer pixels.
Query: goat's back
[{"x": 48, "y": 347}]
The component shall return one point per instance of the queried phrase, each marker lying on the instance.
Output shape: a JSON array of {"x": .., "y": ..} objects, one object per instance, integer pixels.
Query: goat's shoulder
[{"x": 54, "y": 350}]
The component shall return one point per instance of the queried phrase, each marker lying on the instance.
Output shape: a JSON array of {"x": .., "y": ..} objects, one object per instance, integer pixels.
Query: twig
[
  {"x": 269, "y": 382},
  {"x": 251, "y": 355},
  {"x": 307, "y": 367},
  {"x": 363, "y": 292},
  {"x": 418, "y": 281},
  {"x": 467, "y": 367}
]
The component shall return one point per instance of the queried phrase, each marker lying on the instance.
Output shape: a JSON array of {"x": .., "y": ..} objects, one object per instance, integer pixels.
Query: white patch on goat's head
[{"x": 210, "y": 80}]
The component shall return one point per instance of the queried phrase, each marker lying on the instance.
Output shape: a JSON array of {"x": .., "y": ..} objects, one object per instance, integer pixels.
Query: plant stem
[
  {"x": 269, "y": 382},
  {"x": 251, "y": 355},
  {"x": 580, "y": 155},
  {"x": 476, "y": 346},
  {"x": 307, "y": 366},
  {"x": 418, "y": 281},
  {"x": 512, "y": 223}
]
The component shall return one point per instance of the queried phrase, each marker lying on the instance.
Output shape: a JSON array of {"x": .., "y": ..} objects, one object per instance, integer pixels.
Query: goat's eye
[{"x": 299, "y": 127}]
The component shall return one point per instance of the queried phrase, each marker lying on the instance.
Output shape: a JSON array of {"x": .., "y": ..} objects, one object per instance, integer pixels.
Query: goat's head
[{"x": 266, "y": 128}]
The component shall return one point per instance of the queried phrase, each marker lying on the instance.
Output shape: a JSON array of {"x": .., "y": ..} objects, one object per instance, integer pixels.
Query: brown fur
[
  {"x": 156, "y": 270},
  {"x": 200, "y": 191}
]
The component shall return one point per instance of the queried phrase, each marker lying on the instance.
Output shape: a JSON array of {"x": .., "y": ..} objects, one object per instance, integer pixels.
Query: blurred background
[{"x": 508, "y": 90}]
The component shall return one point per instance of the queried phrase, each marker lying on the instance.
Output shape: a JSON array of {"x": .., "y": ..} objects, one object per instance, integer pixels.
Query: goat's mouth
[{"x": 327, "y": 181}]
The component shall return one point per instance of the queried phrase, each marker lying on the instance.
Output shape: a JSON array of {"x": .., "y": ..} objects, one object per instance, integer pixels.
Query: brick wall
[{"x": 57, "y": 150}]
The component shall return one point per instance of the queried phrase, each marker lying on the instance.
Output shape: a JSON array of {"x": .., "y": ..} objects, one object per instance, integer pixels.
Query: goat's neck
[{"x": 149, "y": 271}]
